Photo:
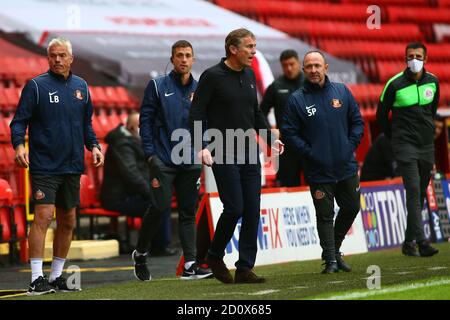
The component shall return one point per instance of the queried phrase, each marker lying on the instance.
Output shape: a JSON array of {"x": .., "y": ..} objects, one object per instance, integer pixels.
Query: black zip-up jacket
[
  {"x": 413, "y": 105},
  {"x": 277, "y": 95},
  {"x": 126, "y": 170},
  {"x": 226, "y": 99}
]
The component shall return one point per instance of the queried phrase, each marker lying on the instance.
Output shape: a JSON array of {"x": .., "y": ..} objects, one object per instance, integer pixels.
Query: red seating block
[
  {"x": 342, "y": 30},
  {"x": 418, "y": 15}
]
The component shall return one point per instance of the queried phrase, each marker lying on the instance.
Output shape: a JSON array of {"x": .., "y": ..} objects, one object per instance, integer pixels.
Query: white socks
[
  {"x": 57, "y": 268},
  {"x": 36, "y": 268}
]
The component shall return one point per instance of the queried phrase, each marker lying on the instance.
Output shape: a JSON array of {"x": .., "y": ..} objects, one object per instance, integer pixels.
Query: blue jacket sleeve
[
  {"x": 24, "y": 112},
  {"x": 291, "y": 129},
  {"x": 147, "y": 118},
  {"x": 356, "y": 122},
  {"x": 89, "y": 135}
]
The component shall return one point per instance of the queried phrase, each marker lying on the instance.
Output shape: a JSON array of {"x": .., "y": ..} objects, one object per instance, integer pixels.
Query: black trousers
[
  {"x": 416, "y": 175},
  {"x": 239, "y": 187},
  {"x": 186, "y": 187},
  {"x": 347, "y": 195},
  {"x": 289, "y": 170}
]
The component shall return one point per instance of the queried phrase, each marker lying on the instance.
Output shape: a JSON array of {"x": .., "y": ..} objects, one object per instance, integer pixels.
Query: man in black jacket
[
  {"x": 276, "y": 95},
  {"x": 126, "y": 180},
  {"x": 226, "y": 101}
]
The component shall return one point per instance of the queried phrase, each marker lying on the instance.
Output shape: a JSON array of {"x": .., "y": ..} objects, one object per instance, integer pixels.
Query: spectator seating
[
  {"x": 317, "y": 29},
  {"x": 13, "y": 225}
]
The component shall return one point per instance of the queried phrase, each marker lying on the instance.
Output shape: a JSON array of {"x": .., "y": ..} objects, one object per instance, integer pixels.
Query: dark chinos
[
  {"x": 239, "y": 187},
  {"x": 160, "y": 115},
  {"x": 413, "y": 105},
  {"x": 324, "y": 126},
  {"x": 226, "y": 99}
]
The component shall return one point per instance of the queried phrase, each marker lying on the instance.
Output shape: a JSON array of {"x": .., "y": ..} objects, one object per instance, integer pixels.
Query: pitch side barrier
[{"x": 288, "y": 231}]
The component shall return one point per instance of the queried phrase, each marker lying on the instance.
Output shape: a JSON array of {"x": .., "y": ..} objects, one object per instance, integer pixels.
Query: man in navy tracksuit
[
  {"x": 56, "y": 108},
  {"x": 165, "y": 108},
  {"x": 323, "y": 124}
]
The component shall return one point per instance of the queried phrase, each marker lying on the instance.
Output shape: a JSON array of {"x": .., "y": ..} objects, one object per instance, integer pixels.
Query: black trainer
[
  {"x": 426, "y": 250},
  {"x": 39, "y": 287},
  {"x": 341, "y": 263},
  {"x": 141, "y": 271},
  {"x": 330, "y": 267},
  {"x": 410, "y": 249},
  {"x": 60, "y": 285},
  {"x": 196, "y": 272}
]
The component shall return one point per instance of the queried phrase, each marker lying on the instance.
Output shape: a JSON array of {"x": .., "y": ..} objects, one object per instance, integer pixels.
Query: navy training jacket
[
  {"x": 165, "y": 108},
  {"x": 324, "y": 126},
  {"x": 58, "y": 114}
]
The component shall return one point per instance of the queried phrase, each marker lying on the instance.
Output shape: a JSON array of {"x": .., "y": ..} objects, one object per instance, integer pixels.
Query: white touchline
[
  {"x": 356, "y": 295},
  {"x": 262, "y": 292}
]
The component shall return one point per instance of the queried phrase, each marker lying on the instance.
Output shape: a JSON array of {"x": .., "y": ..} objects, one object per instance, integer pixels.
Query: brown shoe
[
  {"x": 247, "y": 276},
  {"x": 219, "y": 270}
]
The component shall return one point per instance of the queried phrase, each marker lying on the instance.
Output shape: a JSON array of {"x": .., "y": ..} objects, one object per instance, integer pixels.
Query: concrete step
[{"x": 86, "y": 250}]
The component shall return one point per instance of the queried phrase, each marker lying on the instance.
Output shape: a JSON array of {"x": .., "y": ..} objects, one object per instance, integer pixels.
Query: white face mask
[{"x": 415, "y": 65}]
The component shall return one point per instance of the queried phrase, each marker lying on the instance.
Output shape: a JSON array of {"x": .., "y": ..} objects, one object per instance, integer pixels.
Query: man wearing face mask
[{"x": 412, "y": 96}]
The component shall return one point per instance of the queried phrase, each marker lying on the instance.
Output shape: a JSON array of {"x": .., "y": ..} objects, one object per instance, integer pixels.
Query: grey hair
[{"x": 60, "y": 42}]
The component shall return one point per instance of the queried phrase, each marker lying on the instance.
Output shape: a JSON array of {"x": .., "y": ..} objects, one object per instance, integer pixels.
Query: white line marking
[
  {"x": 365, "y": 294},
  {"x": 262, "y": 292}
]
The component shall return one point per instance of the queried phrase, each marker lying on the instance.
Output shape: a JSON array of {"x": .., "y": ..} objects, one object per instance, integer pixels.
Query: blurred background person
[
  {"x": 126, "y": 181},
  {"x": 276, "y": 96}
]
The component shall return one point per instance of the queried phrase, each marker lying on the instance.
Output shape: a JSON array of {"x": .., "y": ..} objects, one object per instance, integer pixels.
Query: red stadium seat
[
  {"x": 294, "y": 9},
  {"x": 445, "y": 94},
  {"x": 367, "y": 94},
  {"x": 391, "y": 2},
  {"x": 444, "y": 3},
  {"x": 6, "y": 197},
  {"x": 99, "y": 98},
  {"x": 125, "y": 99},
  {"x": 315, "y": 29},
  {"x": 113, "y": 100},
  {"x": 12, "y": 96},
  {"x": 381, "y": 50},
  {"x": 418, "y": 15},
  {"x": 21, "y": 69},
  {"x": 4, "y": 131}
]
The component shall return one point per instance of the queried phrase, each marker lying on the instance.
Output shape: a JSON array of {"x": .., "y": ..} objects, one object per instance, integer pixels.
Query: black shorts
[{"x": 61, "y": 190}]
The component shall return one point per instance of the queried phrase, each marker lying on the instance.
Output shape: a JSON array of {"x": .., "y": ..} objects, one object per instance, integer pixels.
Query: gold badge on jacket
[
  {"x": 336, "y": 103},
  {"x": 78, "y": 95}
]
